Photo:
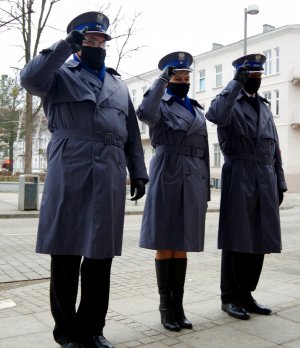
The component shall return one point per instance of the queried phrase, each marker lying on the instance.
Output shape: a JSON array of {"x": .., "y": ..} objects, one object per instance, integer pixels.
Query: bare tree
[
  {"x": 122, "y": 30},
  {"x": 29, "y": 17},
  {"x": 10, "y": 100},
  {"x": 123, "y": 37}
]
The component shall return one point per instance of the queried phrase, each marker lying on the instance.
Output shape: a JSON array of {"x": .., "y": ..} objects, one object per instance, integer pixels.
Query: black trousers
[
  {"x": 89, "y": 318},
  {"x": 240, "y": 274}
]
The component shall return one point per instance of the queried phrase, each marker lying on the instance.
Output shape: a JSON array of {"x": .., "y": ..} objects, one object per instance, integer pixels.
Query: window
[
  {"x": 268, "y": 63},
  {"x": 276, "y": 97},
  {"x": 276, "y": 59},
  {"x": 215, "y": 183},
  {"x": 218, "y": 75},
  {"x": 268, "y": 96},
  {"x": 273, "y": 99},
  {"x": 142, "y": 127},
  {"x": 217, "y": 155},
  {"x": 202, "y": 80},
  {"x": 133, "y": 95}
]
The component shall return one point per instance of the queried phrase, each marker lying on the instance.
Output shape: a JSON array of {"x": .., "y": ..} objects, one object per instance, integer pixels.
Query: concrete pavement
[{"x": 133, "y": 318}]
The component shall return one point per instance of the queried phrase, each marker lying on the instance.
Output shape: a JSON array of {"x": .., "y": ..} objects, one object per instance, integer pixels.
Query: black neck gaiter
[
  {"x": 179, "y": 89},
  {"x": 252, "y": 85},
  {"x": 93, "y": 57}
]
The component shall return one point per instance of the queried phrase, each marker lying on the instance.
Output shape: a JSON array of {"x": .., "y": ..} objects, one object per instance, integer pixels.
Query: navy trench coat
[
  {"x": 95, "y": 136},
  {"x": 179, "y": 185},
  {"x": 252, "y": 173}
]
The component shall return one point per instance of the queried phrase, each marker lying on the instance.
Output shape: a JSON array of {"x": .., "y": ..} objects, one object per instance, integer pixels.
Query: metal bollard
[{"x": 28, "y": 192}]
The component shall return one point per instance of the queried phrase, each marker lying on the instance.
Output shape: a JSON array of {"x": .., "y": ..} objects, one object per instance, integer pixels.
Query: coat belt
[
  {"x": 263, "y": 159},
  {"x": 102, "y": 137},
  {"x": 182, "y": 150}
]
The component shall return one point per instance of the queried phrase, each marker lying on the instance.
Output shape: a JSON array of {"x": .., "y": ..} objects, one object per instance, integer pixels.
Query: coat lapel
[
  {"x": 264, "y": 118},
  {"x": 110, "y": 85},
  {"x": 89, "y": 77},
  {"x": 199, "y": 122},
  {"x": 179, "y": 110}
]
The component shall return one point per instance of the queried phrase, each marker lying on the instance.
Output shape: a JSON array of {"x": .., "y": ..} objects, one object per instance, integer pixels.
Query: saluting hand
[
  {"x": 75, "y": 39},
  {"x": 242, "y": 74},
  {"x": 167, "y": 73}
]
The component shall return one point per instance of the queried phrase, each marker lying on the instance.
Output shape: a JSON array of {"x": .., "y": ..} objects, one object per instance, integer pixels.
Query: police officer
[
  {"x": 94, "y": 136},
  {"x": 252, "y": 186},
  {"x": 179, "y": 187}
]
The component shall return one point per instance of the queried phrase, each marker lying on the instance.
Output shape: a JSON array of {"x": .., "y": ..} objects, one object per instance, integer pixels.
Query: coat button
[
  {"x": 187, "y": 173},
  {"x": 97, "y": 158}
]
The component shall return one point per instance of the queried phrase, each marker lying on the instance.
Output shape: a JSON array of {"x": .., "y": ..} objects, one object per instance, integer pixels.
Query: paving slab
[{"x": 133, "y": 319}]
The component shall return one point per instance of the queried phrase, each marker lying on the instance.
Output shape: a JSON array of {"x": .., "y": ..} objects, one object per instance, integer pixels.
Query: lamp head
[{"x": 252, "y": 9}]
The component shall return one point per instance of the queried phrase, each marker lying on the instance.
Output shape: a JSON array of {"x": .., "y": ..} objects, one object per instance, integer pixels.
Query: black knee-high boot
[
  {"x": 164, "y": 289},
  {"x": 178, "y": 280}
]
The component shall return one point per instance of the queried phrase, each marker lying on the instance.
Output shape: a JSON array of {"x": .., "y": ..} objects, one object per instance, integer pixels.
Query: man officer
[
  {"x": 252, "y": 186},
  {"x": 94, "y": 136}
]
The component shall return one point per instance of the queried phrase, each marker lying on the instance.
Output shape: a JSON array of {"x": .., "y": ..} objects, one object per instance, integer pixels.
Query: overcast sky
[{"x": 164, "y": 26}]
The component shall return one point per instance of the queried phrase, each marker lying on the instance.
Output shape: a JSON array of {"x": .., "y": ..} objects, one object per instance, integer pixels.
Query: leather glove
[
  {"x": 137, "y": 189},
  {"x": 280, "y": 197},
  {"x": 75, "y": 39},
  {"x": 241, "y": 75},
  {"x": 167, "y": 73}
]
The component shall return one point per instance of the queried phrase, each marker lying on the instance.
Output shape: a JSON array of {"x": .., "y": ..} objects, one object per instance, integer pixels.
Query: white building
[{"x": 280, "y": 86}]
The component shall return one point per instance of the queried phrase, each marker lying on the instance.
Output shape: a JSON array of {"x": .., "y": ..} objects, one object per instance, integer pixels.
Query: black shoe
[
  {"x": 184, "y": 323},
  {"x": 235, "y": 311},
  {"x": 168, "y": 321},
  {"x": 98, "y": 342},
  {"x": 255, "y": 307},
  {"x": 71, "y": 345}
]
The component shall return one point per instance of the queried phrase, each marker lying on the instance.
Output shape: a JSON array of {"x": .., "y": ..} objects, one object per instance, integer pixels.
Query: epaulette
[
  {"x": 264, "y": 100},
  {"x": 195, "y": 103},
  {"x": 112, "y": 71}
]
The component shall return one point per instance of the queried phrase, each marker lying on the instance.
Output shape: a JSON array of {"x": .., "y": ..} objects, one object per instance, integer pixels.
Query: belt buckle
[{"x": 108, "y": 139}]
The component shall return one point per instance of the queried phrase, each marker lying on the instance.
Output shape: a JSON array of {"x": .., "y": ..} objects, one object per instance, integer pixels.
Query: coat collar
[
  {"x": 110, "y": 84},
  {"x": 263, "y": 117},
  {"x": 196, "y": 122}
]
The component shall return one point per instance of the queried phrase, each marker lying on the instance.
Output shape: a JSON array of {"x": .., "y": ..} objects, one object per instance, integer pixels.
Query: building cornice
[{"x": 251, "y": 39}]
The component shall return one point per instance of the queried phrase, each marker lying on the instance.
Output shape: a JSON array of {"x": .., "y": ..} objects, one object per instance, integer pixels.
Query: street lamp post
[{"x": 253, "y": 10}]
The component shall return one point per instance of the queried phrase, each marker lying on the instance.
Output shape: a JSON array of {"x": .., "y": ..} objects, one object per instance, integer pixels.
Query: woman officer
[{"x": 179, "y": 188}]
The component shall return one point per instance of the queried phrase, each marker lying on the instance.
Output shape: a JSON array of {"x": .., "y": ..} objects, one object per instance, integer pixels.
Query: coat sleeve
[
  {"x": 149, "y": 110},
  {"x": 38, "y": 76},
  {"x": 133, "y": 147},
  {"x": 220, "y": 111},
  {"x": 278, "y": 167}
]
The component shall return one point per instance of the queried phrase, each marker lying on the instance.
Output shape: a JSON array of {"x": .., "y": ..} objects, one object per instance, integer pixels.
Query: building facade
[{"x": 280, "y": 86}]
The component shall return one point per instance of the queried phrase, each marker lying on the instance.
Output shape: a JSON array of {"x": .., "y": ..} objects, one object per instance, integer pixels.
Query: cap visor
[
  {"x": 107, "y": 37},
  {"x": 183, "y": 69}
]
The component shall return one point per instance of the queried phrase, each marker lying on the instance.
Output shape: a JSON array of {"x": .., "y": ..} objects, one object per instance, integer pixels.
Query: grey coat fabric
[
  {"x": 179, "y": 186},
  {"x": 95, "y": 135},
  {"x": 252, "y": 173}
]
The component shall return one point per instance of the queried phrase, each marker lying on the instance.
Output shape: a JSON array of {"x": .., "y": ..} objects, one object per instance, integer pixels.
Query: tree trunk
[
  {"x": 11, "y": 151},
  {"x": 28, "y": 135}
]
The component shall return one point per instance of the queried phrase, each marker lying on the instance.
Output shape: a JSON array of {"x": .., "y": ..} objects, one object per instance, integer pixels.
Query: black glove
[
  {"x": 280, "y": 196},
  {"x": 137, "y": 187},
  {"x": 241, "y": 74},
  {"x": 75, "y": 39},
  {"x": 167, "y": 73}
]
